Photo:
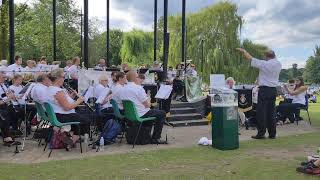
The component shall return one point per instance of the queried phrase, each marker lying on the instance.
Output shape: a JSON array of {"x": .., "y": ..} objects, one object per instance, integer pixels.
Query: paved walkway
[{"x": 178, "y": 137}]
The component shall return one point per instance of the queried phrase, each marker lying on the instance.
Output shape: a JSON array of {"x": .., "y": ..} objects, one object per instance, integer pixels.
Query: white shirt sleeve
[
  {"x": 142, "y": 96},
  {"x": 258, "y": 63}
]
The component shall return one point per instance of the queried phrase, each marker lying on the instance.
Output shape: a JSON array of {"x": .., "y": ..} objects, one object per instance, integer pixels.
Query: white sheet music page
[
  {"x": 164, "y": 91},
  {"x": 103, "y": 96}
]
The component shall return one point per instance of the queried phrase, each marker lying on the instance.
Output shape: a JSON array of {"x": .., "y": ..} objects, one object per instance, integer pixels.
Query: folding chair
[
  {"x": 130, "y": 113},
  {"x": 305, "y": 108},
  {"x": 119, "y": 117},
  {"x": 55, "y": 123}
]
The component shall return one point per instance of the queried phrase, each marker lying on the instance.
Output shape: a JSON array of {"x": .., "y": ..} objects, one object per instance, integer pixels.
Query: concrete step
[
  {"x": 184, "y": 117},
  {"x": 182, "y": 110},
  {"x": 200, "y": 122}
]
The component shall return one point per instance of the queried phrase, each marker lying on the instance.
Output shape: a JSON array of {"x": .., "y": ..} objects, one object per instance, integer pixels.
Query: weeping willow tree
[
  {"x": 218, "y": 27},
  {"x": 137, "y": 48}
]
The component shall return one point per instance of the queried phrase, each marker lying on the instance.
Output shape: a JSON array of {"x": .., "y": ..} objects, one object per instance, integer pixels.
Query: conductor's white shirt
[
  {"x": 137, "y": 95},
  {"x": 268, "y": 71}
]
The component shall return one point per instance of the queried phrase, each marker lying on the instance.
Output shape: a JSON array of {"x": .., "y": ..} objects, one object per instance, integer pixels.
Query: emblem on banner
[{"x": 243, "y": 100}]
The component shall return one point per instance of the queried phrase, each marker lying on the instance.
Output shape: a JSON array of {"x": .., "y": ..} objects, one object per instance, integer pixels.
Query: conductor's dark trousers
[{"x": 266, "y": 111}]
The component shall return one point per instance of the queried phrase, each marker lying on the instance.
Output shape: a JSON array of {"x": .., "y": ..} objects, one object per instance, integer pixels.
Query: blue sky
[{"x": 290, "y": 27}]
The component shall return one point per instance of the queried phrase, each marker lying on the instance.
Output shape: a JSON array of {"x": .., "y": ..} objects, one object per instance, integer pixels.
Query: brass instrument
[{"x": 68, "y": 88}]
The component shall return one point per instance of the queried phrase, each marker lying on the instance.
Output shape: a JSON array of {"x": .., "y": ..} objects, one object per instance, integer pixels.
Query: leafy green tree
[
  {"x": 312, "y": 69},
  {"x": 4, "y": 28}
]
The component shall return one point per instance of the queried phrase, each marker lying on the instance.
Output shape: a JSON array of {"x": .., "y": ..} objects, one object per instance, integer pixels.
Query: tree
[
  {"x": 312, "y": 68},
  {"x": 4, "y": 29}
]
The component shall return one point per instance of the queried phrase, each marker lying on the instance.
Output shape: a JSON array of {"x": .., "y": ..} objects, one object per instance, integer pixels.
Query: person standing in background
[{"x": 268, "y": 80}]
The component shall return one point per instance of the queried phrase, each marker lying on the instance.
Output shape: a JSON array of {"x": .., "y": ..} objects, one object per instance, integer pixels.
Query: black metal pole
[
  {"x": 155, "y": 30},
  {"x": 165, "y": 39},
  {"x": 54, "y": 29},
  {"x": 81, "y": 34},
  {"x": 86, "y": 34},
  {"x": 11, "y": 31},
  {"x": 183, "y": 46},
  {"x": 108, "y": 32}
]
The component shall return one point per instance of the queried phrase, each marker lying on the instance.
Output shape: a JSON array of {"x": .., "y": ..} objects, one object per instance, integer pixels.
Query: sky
[{"x": 289, "y": 27}]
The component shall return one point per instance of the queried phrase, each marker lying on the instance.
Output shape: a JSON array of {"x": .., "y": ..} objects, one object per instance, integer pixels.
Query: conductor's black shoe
[
  {"x": 258, "y": 137},
  {"x": 158, "y": 141}
]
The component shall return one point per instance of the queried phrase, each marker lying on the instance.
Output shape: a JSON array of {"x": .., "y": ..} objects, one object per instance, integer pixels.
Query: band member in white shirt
[
  {"x": 230, "y": 82},
  {"x": 113, "y": 80},
  {"x": 268, "y": 80},
  {"x": 138, "y": 96},
  {"x": 171, "y": 74},
  {"x": 39, "y": 92},
  {"x": 22, "y": 112},
  {"x": 30, "y": 69},
  {"x": 101, "y": 66},
  {"x": 68, "y": 65},
  {"x": 5, "y": 113},
  {"x": 64, "y": 106},
  {"x": 121, "y": 81},
  {"x": 15, "y": 68},
  {"x": 298, "y": 94},
  {"x": 74, "y": 72},
  {"x": 102, "y": 89}
]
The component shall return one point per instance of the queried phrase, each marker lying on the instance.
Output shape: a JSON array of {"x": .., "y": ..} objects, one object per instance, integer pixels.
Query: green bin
[{"x": 225, "y": 131}]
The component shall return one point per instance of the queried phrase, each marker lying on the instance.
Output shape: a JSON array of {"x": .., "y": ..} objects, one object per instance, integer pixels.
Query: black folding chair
[{"x": 305, "y": 108}]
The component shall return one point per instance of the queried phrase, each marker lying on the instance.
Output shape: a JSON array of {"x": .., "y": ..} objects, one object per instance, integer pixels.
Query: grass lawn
[{"x": 254, "y": 160}]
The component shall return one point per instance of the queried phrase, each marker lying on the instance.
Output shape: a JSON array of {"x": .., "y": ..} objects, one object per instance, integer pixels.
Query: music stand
[{"x": 26, "y": 91}]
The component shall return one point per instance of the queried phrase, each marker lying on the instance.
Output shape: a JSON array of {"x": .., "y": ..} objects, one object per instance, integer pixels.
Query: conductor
[{"x": 268, "y": 80}]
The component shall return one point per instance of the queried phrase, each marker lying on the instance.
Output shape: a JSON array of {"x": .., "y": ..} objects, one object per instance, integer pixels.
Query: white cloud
[{"x": 288, "y": 61}]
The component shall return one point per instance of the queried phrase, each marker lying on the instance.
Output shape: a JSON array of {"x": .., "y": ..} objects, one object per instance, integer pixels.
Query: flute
[{"x": 68, "y": 88}]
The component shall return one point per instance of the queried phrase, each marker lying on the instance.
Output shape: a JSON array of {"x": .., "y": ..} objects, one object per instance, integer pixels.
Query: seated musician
[
  {"x": 31, "y": 67},
  {"x": 64, "y": 106},
  {"x": 287, "y": 110},
  {"x": 39, "y": 92},
  {"x": 43, "y": 60},
  {"x": 101, "y": 66},
  {"x": 230, "y": 83},
  {"x": 291, "y": 86},
  {"x": 178, "y": 84},
  {"x": 113, "y": 81},
  {"x": 5, "y": 117},
  {"x": 15, "y": 68},
  {"x": 121, "y": 81},
  {"x": 74, "y": 72},
  {"x": 138, "y": 96},
  {"x": 20, "y": 103},
  {"x": 100, "y": 90}
]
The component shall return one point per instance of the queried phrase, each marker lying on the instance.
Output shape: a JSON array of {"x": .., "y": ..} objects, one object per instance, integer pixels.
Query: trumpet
[{"x": 68, "y": 88}]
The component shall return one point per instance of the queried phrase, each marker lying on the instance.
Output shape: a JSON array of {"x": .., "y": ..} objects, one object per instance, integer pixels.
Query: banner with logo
[
  {"x": 193, "y": 88},
  {"x": 244, "y": 99},
  {"x": 89, "y": 78}
]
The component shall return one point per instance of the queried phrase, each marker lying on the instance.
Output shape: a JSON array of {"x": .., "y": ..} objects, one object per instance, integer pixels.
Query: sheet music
[
  {"x": 24, "y": 97},
  {"x": 103, "y": 96},
  {"x": 164, "y": 92},
  {"x": 89, "y": 93}
]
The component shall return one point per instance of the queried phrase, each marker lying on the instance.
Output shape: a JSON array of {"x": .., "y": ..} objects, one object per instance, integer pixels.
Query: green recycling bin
[{"x": 224, "y": 109}]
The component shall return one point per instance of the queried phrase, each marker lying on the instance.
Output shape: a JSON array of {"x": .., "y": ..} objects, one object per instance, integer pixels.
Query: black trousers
[
  {"x": 4, "y": 123},
  {"x": 288, "y": 109},
  {"x": 158, "y": 123},
  {"x": 266, "y": 111},
  {"x": 75, "y": 117}
]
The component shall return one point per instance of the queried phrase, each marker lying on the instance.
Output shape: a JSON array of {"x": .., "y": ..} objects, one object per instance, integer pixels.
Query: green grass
[{"x": 183, "y": 163}]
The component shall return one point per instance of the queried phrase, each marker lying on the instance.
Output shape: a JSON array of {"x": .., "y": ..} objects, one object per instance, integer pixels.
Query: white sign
[
  {"x": 90, "y": 78},
  {"x": 217, "y": 81}
]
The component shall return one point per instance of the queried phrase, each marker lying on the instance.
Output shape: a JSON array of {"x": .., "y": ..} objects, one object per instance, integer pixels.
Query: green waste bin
[{"x": 224, "y": 109}]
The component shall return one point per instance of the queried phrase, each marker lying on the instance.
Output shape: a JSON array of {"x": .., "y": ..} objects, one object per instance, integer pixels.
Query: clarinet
[{"x": 68, "y": 88}]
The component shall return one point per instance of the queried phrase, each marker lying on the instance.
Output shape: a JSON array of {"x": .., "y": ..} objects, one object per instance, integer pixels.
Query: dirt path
[{"x": 178, "y": 137}]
